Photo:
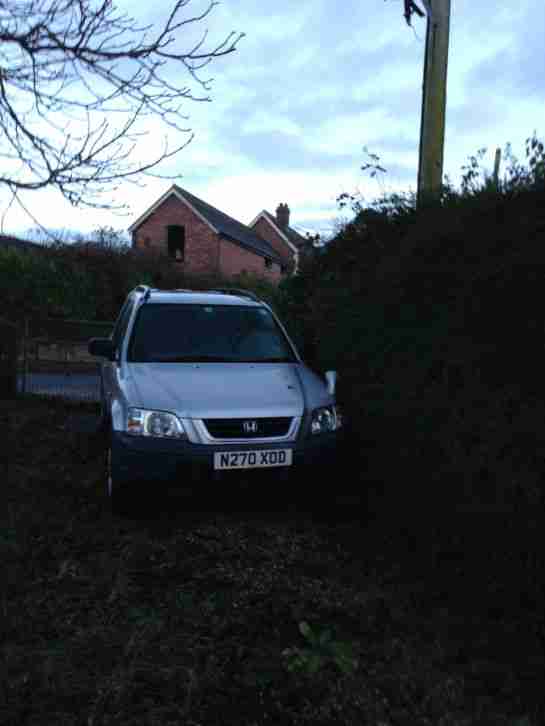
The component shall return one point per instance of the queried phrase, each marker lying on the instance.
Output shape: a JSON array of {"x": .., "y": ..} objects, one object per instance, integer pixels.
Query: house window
[
  {"x": 283, "y": 269},
  {"x": 176, "y": 242},
  {"x": 268, "y": 264}
]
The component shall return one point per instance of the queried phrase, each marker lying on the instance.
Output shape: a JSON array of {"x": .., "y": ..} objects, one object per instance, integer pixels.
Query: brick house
[
  {"x": 204, "y": 240},
  {"x": 278, "y": 233}
]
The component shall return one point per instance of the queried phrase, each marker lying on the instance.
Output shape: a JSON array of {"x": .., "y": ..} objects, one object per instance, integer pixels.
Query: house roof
[
  {"x": 294, "y": 237},
  {"x": 220, "y": 222},
  {"x": 7, "y": 240}
]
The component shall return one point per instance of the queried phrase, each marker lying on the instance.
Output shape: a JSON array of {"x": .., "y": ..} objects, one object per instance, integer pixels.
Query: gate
[{"x": 54, "y": 361}]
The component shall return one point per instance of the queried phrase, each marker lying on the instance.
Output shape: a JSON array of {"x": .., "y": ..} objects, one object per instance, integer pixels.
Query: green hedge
[
  {"x": 91, "y": 282},
  {"x": 434, "y": 320}
]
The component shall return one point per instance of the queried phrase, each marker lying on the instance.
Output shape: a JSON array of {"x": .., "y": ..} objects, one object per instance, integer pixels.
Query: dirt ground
[{"x": 193, "y": 612}]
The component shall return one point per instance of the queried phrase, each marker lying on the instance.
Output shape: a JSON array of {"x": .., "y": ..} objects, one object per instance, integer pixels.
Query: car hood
[{"x": 218, "y": 390}]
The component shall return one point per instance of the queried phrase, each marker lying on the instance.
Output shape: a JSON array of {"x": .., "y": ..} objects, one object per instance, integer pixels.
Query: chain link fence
[{"x": 53, "y": 359}]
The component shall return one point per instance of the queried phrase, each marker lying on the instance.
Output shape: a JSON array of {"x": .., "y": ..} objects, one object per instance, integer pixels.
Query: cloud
[
  {"x": 312, "y": 83},
  {"x": 262, "y": 122},
  {"x": 515, "y": 70}
]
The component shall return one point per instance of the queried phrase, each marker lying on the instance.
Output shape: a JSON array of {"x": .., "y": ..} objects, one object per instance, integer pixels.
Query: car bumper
[{"x": 180, "y": 464}]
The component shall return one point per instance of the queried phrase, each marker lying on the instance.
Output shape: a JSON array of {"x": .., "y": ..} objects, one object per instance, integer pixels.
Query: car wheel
[
  {"x": 120, "y": 495},
  {"x": 103, "y": 417}
]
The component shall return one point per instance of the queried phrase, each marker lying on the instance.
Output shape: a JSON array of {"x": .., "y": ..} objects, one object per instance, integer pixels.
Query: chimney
[{"x": 283, "y": 215}]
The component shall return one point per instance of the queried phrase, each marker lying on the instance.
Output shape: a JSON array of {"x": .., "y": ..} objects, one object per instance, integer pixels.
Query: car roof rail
[
  {"x": 236, "y": 291},
  {"x": 146, "y": 289}
]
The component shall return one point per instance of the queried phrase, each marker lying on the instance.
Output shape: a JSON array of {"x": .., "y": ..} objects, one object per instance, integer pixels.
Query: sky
[{"x": 310, "y": 85}]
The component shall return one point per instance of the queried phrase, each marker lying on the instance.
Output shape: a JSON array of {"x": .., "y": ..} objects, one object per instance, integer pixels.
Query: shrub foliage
[
  {"x": 433, "y": 318},
  {"x": 91, "y": 281}
]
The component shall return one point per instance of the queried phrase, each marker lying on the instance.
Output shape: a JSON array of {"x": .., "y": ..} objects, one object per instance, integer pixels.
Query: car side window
[{"x": 121, "y": 324}]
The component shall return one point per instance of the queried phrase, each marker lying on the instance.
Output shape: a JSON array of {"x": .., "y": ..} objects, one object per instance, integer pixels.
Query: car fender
[{"x": 118, "y": 414}]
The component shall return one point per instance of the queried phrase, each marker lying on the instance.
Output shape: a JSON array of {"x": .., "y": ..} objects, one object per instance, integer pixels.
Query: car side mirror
[
  {"x": 331, "y": 379},
  {"x": 101, "y": 347}
]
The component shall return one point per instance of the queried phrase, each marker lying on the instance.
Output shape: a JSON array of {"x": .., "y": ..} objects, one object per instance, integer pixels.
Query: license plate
[{"x": 252, "y": 459}]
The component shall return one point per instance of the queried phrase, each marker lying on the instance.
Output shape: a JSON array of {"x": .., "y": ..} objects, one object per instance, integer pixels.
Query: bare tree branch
[{"x": 81, "y": 83}]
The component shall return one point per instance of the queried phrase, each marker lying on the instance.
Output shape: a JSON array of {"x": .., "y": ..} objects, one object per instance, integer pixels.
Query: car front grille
[{"x": 234, "y": 428}]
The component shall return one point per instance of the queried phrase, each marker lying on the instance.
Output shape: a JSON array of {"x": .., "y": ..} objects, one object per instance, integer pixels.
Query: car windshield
[{"x": 167, "y": 333}]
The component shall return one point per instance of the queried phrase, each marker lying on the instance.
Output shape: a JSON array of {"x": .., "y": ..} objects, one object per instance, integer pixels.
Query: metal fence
[
  {"x": 8, "y": 359},
  {"x": 53, "y": 358}
]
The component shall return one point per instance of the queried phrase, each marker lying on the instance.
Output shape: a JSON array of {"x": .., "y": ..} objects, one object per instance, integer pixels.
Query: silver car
[{"x": 207, "y": 383}]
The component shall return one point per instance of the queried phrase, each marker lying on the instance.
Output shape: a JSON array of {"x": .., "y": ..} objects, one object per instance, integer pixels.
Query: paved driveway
[{"x": 79, "y": 386}]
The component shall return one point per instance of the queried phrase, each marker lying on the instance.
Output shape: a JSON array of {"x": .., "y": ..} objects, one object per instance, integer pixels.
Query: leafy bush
[
  {"x": 91, "y": 281},
  {"x": 433, "y": 318},
  {"x": 32, "y": 282}
]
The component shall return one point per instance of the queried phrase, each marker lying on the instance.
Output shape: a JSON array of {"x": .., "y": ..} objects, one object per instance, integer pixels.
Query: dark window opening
[
  {"x": 268, "y": 264},
  {"x": 176, "y": 242},
  {"x": 283, "y": 269}
]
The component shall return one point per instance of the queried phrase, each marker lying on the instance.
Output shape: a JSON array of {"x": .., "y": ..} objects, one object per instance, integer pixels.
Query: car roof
[{"x": 198, "y": 298}]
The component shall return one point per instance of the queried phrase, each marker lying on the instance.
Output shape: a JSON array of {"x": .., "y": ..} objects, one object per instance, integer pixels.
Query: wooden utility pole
[
  {"x": 496, "y": 176},
  {"x": 434, "y": 101}
]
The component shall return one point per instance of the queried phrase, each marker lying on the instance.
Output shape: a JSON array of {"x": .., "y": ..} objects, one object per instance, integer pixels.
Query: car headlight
[
  {"x": 154, "y": 423},
  {"x": 325, "y": 419}
]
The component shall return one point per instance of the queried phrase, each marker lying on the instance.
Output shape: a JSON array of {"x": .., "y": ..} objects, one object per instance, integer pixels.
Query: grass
[{"x": 252, "y": 607}]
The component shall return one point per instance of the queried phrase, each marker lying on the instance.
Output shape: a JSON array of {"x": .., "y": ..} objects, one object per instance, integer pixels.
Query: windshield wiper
[
  {"x": 215, "y": 359},
  {"x": 267, "y": 360},
  {"x": 194, "y": 359}
]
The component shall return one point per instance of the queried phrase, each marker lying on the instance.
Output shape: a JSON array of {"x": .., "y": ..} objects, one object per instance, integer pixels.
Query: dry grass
[{"x": 183, "y": 617}]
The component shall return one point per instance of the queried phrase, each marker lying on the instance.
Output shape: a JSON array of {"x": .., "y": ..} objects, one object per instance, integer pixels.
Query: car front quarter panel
[
  {"x": 119, "y": 413},
  {"x": 124, "y": 396},
  {"x": 315, "y": 388}
]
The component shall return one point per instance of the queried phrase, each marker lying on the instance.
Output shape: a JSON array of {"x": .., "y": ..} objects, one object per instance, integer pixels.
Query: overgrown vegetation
[
  {"x": 433, "y": 318},
  {"x": 277, "y": 613},
  {"x": 91, "y": 280}
]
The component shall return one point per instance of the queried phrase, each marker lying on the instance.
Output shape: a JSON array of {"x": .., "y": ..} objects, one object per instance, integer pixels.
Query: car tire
[
  {"x": 121, "y": 496},
  {"x": 103, "y": 417}
]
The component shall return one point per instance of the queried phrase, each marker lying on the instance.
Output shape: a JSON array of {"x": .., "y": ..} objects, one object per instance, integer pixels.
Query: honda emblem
[{"x": 250, "y": 427}]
